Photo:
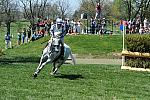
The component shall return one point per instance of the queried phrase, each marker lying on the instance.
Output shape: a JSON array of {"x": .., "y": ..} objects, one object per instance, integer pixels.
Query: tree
[
  {"x": 64, "y": 7},
  {"x": 9, "y": 12},
  {"x": 88, "y": 7},
  {"x": 52, "y": 11},
  {"x": 116, "y": 11},
  {"x": 33, "y": 9},
  {"x": 144, "y": 9},
  {"x": 130, "y": 9}
]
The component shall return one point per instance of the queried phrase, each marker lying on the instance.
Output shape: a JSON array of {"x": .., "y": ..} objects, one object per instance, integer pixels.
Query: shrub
[
  {"x": 138, "y": 43},
  {"x": 138, "y": 62}
]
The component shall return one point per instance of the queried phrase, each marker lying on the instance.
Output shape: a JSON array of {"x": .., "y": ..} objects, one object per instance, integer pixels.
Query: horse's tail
[{"x": 73, "y": 58}]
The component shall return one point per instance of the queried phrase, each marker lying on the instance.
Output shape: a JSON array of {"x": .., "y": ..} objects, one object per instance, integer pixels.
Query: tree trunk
[{"x": 8, "y": 26}]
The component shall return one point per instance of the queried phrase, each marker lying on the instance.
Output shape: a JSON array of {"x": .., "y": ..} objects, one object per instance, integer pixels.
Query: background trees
[
  {"x": 130, "y": 9},
  {"x": 12, "y": 10},
  {"x": 33, "y": 9},
  {"x": 9, "y": 12},
  {"x": 63, "y": 7},
  {"x": 88, "y": 7}
]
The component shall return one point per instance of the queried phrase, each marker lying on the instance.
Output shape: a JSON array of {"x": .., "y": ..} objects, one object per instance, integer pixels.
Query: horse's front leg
[{"x": 43, "y": 61}]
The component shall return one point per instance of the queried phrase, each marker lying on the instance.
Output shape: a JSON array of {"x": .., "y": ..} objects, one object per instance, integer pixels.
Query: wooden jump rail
[{"x": 135, "y": 54}]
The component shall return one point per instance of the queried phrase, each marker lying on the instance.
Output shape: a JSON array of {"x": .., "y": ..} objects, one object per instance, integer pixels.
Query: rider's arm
[
  {"x": 52, "y": 30},
  {"x": 63, "y": 32}
]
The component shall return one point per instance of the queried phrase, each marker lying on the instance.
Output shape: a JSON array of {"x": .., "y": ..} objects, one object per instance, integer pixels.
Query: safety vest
[{"x": 57, "y": 32}]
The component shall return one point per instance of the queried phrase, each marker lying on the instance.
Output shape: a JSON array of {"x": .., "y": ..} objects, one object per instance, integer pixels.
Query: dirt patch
[{"x": 102, "y": 56}]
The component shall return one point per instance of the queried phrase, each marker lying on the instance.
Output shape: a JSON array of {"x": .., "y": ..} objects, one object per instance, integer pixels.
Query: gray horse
[{"x": 54, "y": 57}]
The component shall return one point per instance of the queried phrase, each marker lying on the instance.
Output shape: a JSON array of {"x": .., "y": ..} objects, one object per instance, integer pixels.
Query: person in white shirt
[
  {"x": 145, "y": 23},
  {"x": 8, "y": 40}
]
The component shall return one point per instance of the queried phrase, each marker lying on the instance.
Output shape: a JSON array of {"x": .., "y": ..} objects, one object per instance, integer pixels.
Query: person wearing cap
[{"x": 57, "y": 32}]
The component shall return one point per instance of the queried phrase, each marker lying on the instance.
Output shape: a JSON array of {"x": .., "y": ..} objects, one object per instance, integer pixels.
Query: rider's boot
[{"x": 62, "y": 52}]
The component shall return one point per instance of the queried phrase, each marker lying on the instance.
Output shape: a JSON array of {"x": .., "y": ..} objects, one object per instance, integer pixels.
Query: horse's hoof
[
  {"x": 34, "y": 75},
  {"x": 52, "y": 74},
  {"x": 57, "y": 73}
]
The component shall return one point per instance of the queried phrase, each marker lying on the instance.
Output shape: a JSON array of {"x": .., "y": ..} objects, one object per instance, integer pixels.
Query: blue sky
[{"x": 74, "y": 4}]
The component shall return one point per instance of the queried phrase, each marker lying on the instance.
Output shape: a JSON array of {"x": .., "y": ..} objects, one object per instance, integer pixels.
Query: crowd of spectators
[
  {"x": 137, "y": 26},
  {"x": 97, "y": 26},
  {"x": 42, "y": 28}
]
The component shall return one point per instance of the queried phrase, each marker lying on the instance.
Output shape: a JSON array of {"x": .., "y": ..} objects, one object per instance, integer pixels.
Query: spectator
[
  {"x": 130, "y": 26},
  {"x": 78, "y": 27},
  {"x": 23, "y": 35},
  {"x": 99, "y": 28},
  {"x": 72, "y": 24},
  {"x": 8, "y": 40},
  {"x": 42, "y": 32},
  {"x": 33, "y": 37},
  {"x": 75, "y": 27},
  {"x": 93, "y": 26},
  {"x": 33, "y": 28},
  {"x": 133, "y": 26},
  {"x": 38, "y": 26},
  {"x": 141, "y": 30},
  {"x": 98, "y": 11},
  {"x": 29, "y": 33},
  {"x": 145, "y": 24},
  {"x": 19, "y": 37},
  {"x": 48, "y": 26},
  {"x": 66, "y": 25},
  {"x": 137, "y": 24}
]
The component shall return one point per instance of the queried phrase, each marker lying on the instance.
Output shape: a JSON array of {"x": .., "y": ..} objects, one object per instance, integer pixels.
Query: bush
[
  {"x": 138, "y": 43},
  {"x": 138, "y": 62}
]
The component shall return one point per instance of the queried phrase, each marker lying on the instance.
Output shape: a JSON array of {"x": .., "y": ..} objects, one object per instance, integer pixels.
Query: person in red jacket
[{"x": 98, "y": 10}]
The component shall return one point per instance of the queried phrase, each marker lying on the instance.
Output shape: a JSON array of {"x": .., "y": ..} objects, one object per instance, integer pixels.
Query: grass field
[
  {"x": 95, "y": 45},
  {"x": 89, "y": 45},
  {"x": 79, "y": 82}
]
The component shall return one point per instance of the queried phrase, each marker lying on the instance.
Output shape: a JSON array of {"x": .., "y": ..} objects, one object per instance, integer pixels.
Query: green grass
[
  {"x": 80, "y": 82},
  {"x": 98, "y": 47},
  {"x": 94, "y": 45}
]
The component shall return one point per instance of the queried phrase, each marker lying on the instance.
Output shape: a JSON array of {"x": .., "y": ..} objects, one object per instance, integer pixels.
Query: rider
[{"x": 57, "y": 31}]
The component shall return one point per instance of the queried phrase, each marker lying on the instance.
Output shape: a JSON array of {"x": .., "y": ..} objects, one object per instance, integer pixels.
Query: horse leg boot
[{"x": 53, "y": 69}]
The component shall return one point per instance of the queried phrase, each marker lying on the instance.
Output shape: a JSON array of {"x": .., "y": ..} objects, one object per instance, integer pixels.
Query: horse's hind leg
[
  {"x": 53, "y": 69},
  {"x": 56, "y": 66}
]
